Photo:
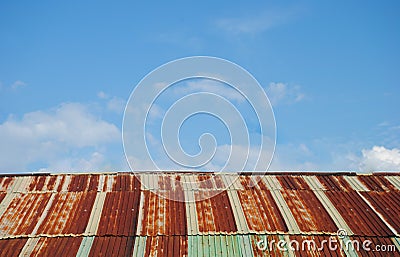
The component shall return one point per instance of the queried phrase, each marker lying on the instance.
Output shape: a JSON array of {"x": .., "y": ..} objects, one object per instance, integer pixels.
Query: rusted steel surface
[
  {"x": 120, "y": 214},
  {"x": 387, "y": 204},
  {"x": 214, "y": 214},
  {"x": 112, "y": 246},
  {"x": 68, "y": 214},
  {"x": 56, "y": 246},
  {"x": 335, "y": 183},
  {"x": 166, "y": 246},
  {"x": 113, "y": 214},
  {"x": 293, "y": 182},
  {"x": 361, "y": 219},
  {"x": 162, "y": 216},
  {"x": 308, "y": 211},
  {"x": 23, "y": 214},
  {"x": 5, "y": 183},
  {"x": 377, "y": 183},
  {"x": 11, "y": 247},
  {"x": 261, "y": 211}
]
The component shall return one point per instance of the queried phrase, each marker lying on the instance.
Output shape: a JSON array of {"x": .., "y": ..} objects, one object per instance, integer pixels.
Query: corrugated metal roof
[{"x": 192, "y": 214}]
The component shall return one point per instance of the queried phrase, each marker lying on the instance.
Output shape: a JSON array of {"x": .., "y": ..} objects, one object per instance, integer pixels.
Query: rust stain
[
  {"x": 166, "y": 246},
  {"x": 293, "y": 182},
  {"x": 214, "y": 214},
  {"x": 377, "y": 183},
  {"x": 335, "y": 183},
  {"x": 5, "y": 182},
  {"x": 361, "y": 219},
  {"x": 57, "y": 246},
  {"x": 23, "y": 213},
  {"x": 308, "y": 211},
  {"x": 12, "y": 247},
  {"x": 387, "y": 204},
  {"x": 69, "y": 213},
  {"x": 112, "y": 246},
  {"x": 162, "y": 216},
  {"x": 261, "y": 211},
  {"x": 119, "y": 216}
]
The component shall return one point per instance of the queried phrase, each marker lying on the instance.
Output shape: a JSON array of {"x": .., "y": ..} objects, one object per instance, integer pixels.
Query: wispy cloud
[
  {"x": 283, "y": 93},
  {"x": 113, "y": 103},
  {"x": 257, "y": 22},
  {"x": 17, "y": 84}
]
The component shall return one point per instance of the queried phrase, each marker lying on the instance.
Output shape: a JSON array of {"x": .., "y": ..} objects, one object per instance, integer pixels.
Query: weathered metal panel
[
  {"x": 56, "y": 246},
  {"x": 334, "y": 183},
  {"x": 119, "y": 214},
  {"x": 387, "y": 204},
  {"x": 161, "y": 216},
  {"x": 308, "y": 211},
  {"x": 112, "y": 246},
  {"x": 5, "y": 183},
  {"x": 11, "y": 247},
  {"x": 361, "y": 219},
  {"x": 68, "y": 214},
  {"x": 376, "y": 183},
  {"x": 22, "y": 214},
  {"x": 214, "y": 215},
  {"x": 293, "y": 182},
  {"x": 261, "y": 211},
  {"x": 159, "y": 246}
]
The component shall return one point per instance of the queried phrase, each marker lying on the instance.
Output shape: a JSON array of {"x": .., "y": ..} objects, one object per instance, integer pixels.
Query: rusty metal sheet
[
  {"x": 112, "y": 246},
  {"x": 308, "y": 211},
  {"x": 2, "y": 195},
  {"x": 335, "y": 183},
  {"x": 361, "y": 219},
  {"x": 69, "y": 213},
  {"x": 161, "y": 216},
  {"x": 5, "y": 183},
  {"x": 377, "y": 183},
  {"x": 11, "y": 247},
  {"x": 293, "y": 182},
  {"x": 56, "y": 246},
  {"x": 120, "y": 213},
  {"x": 168, "y": 246},
  {"x": 214, "y": 214},
  {"x": 126, "y": 182},
  {"x": 261, "y": 211},
  {"x": 388, "y": 206},
  {"x": 22, "y": 214}
]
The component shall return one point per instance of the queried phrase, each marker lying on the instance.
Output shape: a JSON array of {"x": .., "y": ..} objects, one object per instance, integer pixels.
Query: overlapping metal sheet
[{"x": 192, "y": 214}]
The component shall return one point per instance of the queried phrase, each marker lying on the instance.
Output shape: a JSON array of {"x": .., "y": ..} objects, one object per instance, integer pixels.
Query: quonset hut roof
[{"x": 113, "y": 214}]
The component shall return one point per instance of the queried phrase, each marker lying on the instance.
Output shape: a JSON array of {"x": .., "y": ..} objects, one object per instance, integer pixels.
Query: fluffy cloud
[
  {"x": 380, "y": 158},
  {"x": 55, "y": 138},
  {"x": 279, "y": 93}
]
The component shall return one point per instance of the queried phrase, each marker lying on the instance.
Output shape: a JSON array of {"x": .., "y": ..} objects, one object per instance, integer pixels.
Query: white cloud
[
  {"x": 54, "y": 137},
  {"x": 102, "y": 95},
  {"x": 210, "y": 86},
  {"x": 256, "y": 22},
  {"x": 18, "y": 84},
  {"x": 380, "y": 158},
  {"x": 279, "y": 93}
]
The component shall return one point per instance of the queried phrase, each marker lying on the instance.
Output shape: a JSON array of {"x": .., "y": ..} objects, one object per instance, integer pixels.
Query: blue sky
[{"x": 331, "y": 71}]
